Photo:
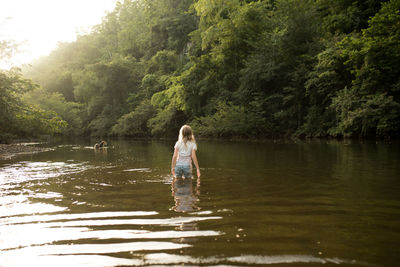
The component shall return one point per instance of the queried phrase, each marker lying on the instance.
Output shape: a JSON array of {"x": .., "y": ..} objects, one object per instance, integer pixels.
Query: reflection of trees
[{"x": 185, "y": 198}]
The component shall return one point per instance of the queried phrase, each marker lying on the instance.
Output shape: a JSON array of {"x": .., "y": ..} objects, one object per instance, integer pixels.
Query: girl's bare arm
[
  {"x": 196, "y": 163},
  {"x": 173, "y": 162}
]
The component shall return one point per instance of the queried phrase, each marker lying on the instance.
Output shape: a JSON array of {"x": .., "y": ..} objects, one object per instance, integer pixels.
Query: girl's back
[{"x": 185, "y": 152}]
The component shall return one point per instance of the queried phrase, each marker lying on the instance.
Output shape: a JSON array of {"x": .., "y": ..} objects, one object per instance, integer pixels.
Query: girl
[{"x": 184, "y": 153}]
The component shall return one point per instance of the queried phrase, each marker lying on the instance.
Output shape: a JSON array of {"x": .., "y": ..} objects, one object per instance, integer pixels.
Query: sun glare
[{"x": 38, "y": 26}]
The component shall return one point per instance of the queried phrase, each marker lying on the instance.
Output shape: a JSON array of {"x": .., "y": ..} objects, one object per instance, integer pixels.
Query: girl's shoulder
[
  {"x": 178, "y": 143},
  {"x": 193, "y": 144}
]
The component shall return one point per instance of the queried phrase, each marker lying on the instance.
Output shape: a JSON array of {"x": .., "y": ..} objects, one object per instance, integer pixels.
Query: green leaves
[
  {"x": 376, "y": 114},
  {"x": 230, "y": 121},
  {"x": 19, "y": 118},
  {"x": 135, "y": 122},
  {"x": 371, "y": 105},
  {"x": 34, "y": 121},
  {"x": 233, "y": 68}
]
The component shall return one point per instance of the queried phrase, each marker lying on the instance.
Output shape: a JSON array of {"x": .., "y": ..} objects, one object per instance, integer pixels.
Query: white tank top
[{"x": 185, "y": 152}]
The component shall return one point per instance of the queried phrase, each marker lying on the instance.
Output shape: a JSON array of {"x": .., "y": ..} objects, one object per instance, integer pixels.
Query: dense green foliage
[
  {"x": 230, "y": 68},
  {"x": 18, "y": 117}
]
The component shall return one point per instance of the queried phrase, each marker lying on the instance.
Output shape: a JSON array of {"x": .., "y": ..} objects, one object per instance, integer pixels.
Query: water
[{"x": 284, "y": 203}]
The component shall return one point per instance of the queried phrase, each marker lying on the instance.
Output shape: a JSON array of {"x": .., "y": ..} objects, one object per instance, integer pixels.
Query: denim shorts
[{"x": 183, "y": 170}]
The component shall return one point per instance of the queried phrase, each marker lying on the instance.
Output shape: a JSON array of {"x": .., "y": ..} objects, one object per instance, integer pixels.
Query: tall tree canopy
[
  {"x": 18, "y": 117},
  {"x": 248, "y": 68}
]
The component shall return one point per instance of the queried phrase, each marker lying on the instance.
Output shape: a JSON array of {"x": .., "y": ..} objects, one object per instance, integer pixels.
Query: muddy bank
[{"x": 8, "y": 151}]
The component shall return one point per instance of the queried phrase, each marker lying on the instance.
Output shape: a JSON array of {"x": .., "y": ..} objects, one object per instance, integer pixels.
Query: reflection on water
[
  {"x": 186, "y": 200},
  {"x": 185, "y": 196},
  {"x": 37, "y": 218},
  {"x": 14, "y": 174},
  {"x": 259, "y": 204}
]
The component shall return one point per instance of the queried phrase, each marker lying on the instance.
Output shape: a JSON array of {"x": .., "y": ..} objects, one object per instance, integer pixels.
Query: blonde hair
[{"x": 186, "y": 134}]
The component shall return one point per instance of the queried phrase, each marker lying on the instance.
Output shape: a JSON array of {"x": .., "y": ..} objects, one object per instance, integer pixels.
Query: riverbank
[{"x": 8, "y": 151}]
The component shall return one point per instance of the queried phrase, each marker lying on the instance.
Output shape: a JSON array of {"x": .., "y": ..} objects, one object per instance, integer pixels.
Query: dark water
[{"x": 287, "y": 204}]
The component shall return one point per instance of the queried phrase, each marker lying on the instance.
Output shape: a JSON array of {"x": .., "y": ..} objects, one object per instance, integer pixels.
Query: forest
[{"x": 229, "y": 68}]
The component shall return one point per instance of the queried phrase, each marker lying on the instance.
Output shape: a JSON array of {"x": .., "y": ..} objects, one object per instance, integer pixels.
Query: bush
[
  {"x": 135, "y": 122},
  {"x": 230, "y": 120}
]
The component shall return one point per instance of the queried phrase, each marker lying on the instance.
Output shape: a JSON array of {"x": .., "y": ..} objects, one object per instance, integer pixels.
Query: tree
[
  {"x": 373, "y": 58},
  {"x": 135, "y": 122},
  {"x": 18, "y": 118},
  {"x": 262, "y": 68}
]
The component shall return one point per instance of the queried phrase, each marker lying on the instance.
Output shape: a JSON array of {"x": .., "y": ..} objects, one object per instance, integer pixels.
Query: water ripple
[
  {"x": 10, "y": 259},
  {"x": 21, "y": 208},
  {"x": 67, "y": 261},
  {"x": 177, "y": 221},
  {"x": 97, "y": 248},
  {"x": 40, "y": 231},
  {"x": 39, "y": 235},
  {"x": 165, "y": 258},
  {"x": 57, "y": 217},
  {"x": 27, "y": 171}
]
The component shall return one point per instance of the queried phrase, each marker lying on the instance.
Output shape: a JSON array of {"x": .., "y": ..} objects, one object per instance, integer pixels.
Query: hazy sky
[{"x": 41, "y": 24}]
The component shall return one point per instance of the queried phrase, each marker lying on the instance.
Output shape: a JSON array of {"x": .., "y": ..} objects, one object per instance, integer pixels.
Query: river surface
[{"x": 321, "y": 203}]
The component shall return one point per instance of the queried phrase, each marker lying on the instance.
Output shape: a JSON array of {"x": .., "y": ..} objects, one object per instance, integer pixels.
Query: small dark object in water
[{"x": 102, "y": 144}]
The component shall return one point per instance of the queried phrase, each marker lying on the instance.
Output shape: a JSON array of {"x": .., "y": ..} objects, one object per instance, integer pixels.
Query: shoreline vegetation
[{"x": 230, "y": 69}]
